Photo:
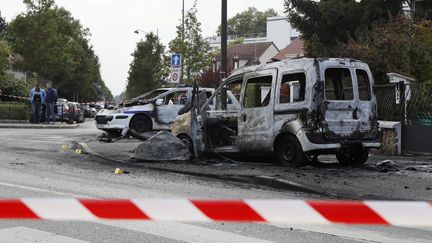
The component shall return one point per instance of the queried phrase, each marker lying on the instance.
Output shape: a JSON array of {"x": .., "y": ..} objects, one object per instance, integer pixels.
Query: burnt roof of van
[{"x": 288, "y": 62}]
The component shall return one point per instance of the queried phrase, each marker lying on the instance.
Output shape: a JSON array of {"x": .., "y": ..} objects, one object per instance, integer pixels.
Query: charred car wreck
[{"x": 293, "y": 108}]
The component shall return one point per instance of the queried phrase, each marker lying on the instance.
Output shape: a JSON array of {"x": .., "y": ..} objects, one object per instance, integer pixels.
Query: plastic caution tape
[
  {"x": 395, "y": 213},
  {"x": 15, "y": 97}
]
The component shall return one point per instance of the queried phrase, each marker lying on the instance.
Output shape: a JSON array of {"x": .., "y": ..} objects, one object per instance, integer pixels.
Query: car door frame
[{"x": 255, "y": 124}]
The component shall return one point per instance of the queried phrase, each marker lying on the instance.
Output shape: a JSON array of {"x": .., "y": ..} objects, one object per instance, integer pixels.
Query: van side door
[{"x": 255, "y": 120}]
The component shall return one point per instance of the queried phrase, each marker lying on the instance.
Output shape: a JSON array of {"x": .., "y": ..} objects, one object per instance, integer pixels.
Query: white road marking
[
  {"x": 354, "y": 233},
  {"x": 25, "y": 235},
  {"x": 183, "y": 232},
  {"x": 42, "y": 190}
]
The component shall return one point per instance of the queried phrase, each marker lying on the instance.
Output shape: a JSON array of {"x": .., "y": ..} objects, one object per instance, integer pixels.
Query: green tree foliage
[
  {"x": 55, "y": 46},
  {"x": 401, "y": 46},
  {"x": 250, "y": 21},
  {"x": 194, "y": 48},
  {"x": 148, "y": 68},
  {"x": 5, "y": 53},
  {"x": 3, "y": 24},
  {"x": 328, "y": 23}
]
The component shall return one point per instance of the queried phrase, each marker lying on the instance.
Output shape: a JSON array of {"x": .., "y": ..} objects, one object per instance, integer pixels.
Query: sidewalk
[{"x": 15, "y": 125}]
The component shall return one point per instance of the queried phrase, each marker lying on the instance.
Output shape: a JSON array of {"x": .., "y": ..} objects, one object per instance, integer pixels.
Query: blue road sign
[{"x": 176, "y": 60}]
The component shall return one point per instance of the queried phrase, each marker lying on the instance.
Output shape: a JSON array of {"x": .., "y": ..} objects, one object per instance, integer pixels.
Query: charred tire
[
  {"x": 353, "y": 156},
  {"x": 140, "y": 123},
  {"x": 187, "y": 141},
  {"x": 289, "y": 152}
]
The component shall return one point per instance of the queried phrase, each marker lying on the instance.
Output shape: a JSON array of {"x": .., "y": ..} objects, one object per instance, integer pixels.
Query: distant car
[
  {"x": 155, "y": 110},
  {"x": 63, "y": 111},
  {"x": 76, "y": 112},
  {"x": 97, "y": 107},
  {"x": 93, "y": 112},
  {"x": 88, "y": 112}
]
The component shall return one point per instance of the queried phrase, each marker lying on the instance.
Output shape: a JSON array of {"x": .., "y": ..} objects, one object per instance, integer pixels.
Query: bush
[{"x": 14, "y": 111}]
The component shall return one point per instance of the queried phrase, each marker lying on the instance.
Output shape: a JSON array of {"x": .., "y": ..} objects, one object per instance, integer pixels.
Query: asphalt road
[{"x": 33, "y": 164}]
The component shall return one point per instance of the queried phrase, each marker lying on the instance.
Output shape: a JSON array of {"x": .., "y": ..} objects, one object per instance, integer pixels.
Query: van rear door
[{"x": 349, "y": 107}]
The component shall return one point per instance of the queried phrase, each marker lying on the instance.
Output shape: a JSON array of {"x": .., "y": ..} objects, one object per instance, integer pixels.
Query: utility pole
[
  {"x": 183, "y": 42},
  {"x": 223, "y": 70}
]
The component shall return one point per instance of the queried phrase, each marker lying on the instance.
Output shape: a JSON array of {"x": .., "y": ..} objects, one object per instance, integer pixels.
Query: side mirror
[{"x": 159, "y": 102}]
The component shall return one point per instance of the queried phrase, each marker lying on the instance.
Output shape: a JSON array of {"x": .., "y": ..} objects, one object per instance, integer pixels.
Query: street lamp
[{"x": 146, "y": 32}]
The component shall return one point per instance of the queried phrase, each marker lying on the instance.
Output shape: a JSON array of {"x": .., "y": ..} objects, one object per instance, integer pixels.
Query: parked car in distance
[
  {"x": 154, "y": 110},
  {"x": 96, "y": 107},
  {"x": 88, "y": 112},
  {"x": 293, "y": 109},
  {"x": 63, "y": 113},
  {"x": 76, "y": 112}
]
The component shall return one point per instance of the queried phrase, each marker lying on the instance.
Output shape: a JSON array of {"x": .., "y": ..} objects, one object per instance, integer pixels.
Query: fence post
[
  {"x": 61, "y": 118},
  {"x": 402, "y": 112}
]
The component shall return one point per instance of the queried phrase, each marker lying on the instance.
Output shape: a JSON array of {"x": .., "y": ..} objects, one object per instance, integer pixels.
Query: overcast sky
[{"x": 112, "y": 23}]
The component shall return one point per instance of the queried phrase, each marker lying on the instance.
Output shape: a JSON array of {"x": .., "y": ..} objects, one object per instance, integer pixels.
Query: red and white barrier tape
[
  {"x": 84, "y": 103},
  {"x": 396, "y": 213},
  {"x": 15, "y": 97}
]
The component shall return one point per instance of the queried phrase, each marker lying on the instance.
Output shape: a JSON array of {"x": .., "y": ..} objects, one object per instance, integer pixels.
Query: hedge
[{"x": 14, "y": 111}]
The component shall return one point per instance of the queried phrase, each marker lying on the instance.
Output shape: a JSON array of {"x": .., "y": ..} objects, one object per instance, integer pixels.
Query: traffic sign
[
  {"x": 176, "y": 60},
  {"x": 175, "y": 75}
]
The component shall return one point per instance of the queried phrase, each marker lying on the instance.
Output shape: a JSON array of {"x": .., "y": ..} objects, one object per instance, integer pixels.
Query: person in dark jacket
[
  {"x": 37, "y": 98},
  {"x": 51, "y": 99}
]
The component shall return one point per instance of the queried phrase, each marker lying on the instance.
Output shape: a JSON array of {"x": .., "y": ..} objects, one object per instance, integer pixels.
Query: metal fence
[{"x": 416, "y": 102}]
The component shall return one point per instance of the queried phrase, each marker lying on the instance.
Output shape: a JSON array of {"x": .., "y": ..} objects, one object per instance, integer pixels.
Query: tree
[
  {"x": 194, "y": 48},
  {"x": 3, "y": 24},
  {"x": 147, "y": 70},
  {"x": 55, "y": 46},
  {"x": 5, "y": 53},
  {"x": 250, "y": 21},
  {"x": 328, "y": 23},
  {"x": 400, "y": 46}
]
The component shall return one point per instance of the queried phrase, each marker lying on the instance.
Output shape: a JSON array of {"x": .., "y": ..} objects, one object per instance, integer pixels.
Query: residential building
[
  {"x": 294, "y": 50},
  {"x": 279, "y": 31},
  {"x": 240, "y": 55}
]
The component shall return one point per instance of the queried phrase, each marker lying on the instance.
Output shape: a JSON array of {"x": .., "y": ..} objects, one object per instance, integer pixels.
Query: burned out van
[{"x": 293, "y": 108}]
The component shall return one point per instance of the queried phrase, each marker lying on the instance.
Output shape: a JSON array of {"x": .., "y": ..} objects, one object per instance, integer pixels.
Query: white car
[{"x": 155, "y": 110}]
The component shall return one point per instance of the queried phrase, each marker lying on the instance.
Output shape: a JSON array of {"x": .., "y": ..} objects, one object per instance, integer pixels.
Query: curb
[
  {"x": 31, "y": 126},
  {"x": 3, "y": 121}
]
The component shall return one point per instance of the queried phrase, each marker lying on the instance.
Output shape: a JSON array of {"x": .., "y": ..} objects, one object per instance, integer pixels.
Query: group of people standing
[{"x": 39, "y": 97}]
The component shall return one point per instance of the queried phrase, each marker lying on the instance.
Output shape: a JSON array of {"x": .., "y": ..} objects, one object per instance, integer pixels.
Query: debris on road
[
  {"x": 385, "y": 166},
  {"x": 162, "y": 147},
  {"x": 118, "y": 171}
]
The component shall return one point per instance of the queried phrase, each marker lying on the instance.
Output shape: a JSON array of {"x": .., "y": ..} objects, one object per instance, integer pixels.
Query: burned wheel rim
[
  {"x": 288, "y": 152},
  {"x": 187, "y": 142}
]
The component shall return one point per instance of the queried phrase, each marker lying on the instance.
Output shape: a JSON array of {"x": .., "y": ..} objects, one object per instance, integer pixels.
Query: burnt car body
[
  {"x": 152, "y": 111},
  {"x": 293, "y": 108}
]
